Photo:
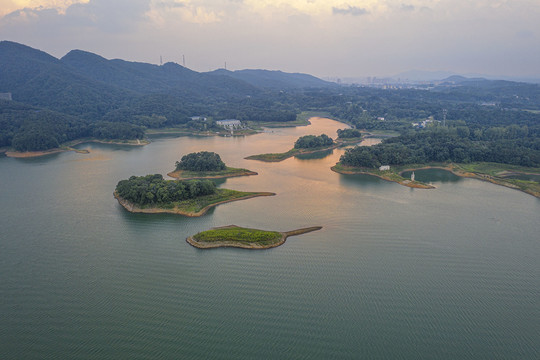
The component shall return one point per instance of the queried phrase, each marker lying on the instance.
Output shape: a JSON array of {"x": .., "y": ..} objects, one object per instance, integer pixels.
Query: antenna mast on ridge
[
  {"x": 183, "y": 60},
  {"x": 160, "y": 60},
  {"x": 444, "y": 117}
]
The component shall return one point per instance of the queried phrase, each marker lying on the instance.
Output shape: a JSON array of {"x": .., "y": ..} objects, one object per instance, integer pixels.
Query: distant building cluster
[
  {"x": 6, "y": 96},
  {"x": 384, "y": 167},
  {"x": 199, "y": 118},
  {"x": 424, "y": 123}
]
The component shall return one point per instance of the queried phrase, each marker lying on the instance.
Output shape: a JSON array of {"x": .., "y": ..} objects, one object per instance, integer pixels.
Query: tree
[{"x": 201, "y": 161}]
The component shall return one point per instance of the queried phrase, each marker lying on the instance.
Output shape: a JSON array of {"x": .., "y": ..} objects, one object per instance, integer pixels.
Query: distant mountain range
[
  {"x": 274, "y": 79},
  {"x": 428, "y": 76},
  {"x": 29, "y": 74}
]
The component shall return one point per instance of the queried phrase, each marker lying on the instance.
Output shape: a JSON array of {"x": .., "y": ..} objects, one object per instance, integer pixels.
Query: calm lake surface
[{"x": 397, "y": 273}]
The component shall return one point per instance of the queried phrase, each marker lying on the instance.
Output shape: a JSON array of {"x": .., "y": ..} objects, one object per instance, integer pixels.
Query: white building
[
  {"x": 384, "y": 167},
  {"x": 230, "y": 124}
]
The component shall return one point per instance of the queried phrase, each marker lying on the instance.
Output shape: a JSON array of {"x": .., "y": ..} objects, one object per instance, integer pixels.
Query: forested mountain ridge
[
  {"x": 274, "y": 79},
  {"x": 146, "y": 78},
  {"x": 36, "y": 78}
]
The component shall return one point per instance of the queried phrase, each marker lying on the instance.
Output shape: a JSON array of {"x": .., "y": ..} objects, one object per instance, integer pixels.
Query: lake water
[{"x": 397, "y": 273}]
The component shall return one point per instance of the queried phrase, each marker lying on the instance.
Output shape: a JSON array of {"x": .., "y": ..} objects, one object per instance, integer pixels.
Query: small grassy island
[
  {"x": 304, "y": 145},
  {"x": 246, "y": 238},
  {"x": 205, "y": 165},
  {"x": 153, "y": 194}
]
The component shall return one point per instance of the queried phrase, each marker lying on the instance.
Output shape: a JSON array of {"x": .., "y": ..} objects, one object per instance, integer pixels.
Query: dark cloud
[{"x": 349, "y": 10}]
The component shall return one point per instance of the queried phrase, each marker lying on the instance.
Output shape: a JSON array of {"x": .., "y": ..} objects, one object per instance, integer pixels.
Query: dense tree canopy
[
  {"x": 348, "y": 133},
  {"x": 312, "y": 141},
  {"x": 441, "y": 144},
  {"x": 201, "y": 161},
  {"x": 153, "y": 189}
]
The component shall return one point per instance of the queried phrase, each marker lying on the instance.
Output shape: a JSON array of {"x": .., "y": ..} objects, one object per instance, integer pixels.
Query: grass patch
[
  {"x": 495, "y": 169},
  {"x": 197, "y": 204},
  {"x": 274, "y": 157},
  {"x": 228, "y": 172},
  {"x": 239, "y": 235}
]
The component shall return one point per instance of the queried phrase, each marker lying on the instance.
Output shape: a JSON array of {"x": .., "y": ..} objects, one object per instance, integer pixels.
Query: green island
[
  {"x": 205, "y": 165},
  {"x": 310, "y": 144},
  {"x": 152, "y": 194},
  {"x": 240, "y": 237},
  {"x": 307, "y": 144}
]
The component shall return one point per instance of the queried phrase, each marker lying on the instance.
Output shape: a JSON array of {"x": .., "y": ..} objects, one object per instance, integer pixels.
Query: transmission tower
[{"x": 444, "y": 112}]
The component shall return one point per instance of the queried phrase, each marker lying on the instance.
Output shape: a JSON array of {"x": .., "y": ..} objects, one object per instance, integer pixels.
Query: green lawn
[
  {"x": 197, "y": 204},
  {"x": 239, "y": 234},
  {"x": 228, "y": 172}
]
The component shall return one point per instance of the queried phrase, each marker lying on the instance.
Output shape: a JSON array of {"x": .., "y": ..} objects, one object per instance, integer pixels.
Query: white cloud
[
  {"x": 316, "y": 36},
  {"x": 9, "y": 6},
  {"x": 161, "y": 12}
]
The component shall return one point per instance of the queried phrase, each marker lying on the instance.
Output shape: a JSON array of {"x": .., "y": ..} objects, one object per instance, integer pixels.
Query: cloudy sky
[{"x": 339, "y": 38}]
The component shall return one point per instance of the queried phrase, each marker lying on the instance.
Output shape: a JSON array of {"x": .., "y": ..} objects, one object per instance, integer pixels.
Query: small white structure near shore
[
  {"x": 384, "y": 167},
  {"x": 230, "y": 124},
  {"x": 412, "y": 176}
]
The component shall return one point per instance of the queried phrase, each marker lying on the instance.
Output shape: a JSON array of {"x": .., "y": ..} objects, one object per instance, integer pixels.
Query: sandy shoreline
[
  {"x": 129, "y": 206},
  {"x": 30, "y": 154},
  {"x": 253, "y": 246}
]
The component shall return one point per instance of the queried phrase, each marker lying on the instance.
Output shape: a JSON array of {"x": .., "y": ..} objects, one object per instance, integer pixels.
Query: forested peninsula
[
  {"x": 246, "y": 238},
  {"x": 505, "y": 156},
  {"x": 152, "y": 194}
]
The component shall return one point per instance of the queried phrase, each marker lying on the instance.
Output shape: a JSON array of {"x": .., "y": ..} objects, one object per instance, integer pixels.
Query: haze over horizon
[{"x": 331, "y": 38}]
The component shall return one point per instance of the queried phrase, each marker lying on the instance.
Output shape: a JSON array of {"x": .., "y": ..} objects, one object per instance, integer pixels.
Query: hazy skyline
[{"x": 330, "y": 38}]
